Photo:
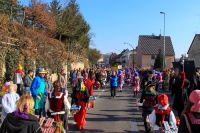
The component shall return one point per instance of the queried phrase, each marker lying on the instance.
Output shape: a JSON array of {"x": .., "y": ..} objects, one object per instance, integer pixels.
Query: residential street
[{"x": 113, "y": 115}]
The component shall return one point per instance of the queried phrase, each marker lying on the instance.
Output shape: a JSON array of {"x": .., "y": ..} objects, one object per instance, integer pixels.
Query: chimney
[{"x": 160, "y": 36}]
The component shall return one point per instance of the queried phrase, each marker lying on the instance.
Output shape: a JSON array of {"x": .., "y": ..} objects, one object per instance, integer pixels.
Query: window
[{"x": 153, "y": 57}]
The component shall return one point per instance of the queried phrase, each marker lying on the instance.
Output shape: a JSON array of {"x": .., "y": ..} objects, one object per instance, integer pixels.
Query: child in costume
[
  {"x": 38, "y": 91},
  {"x": 120, "y": 80},
  {"x": 162, "y": 112},
  {"x": 149, "y": 100},
  {"x": 58, "y": 105},
  {"x": 135, "y": 83},
  {"x": 4, "y": 88},
  {"x": 9, "y": 100}
]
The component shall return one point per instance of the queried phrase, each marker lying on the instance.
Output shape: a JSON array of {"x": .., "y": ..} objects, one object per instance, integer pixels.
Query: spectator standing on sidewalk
[
  {"x": 62, "y": 79},
  {"x": 18, "y": 79},
  {"x": 28, "y": 80}
]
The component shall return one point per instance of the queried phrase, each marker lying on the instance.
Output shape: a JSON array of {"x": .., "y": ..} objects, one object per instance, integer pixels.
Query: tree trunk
[
  {"x": 23, "y": 17},
  {"x": 11, "y": 12}
]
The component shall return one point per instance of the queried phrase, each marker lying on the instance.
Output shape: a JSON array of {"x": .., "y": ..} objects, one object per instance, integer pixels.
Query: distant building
[
  {"x": 147, "y": 50},
  {"x": 125, "y": 58},
  {"x": 194, "y": 50}
]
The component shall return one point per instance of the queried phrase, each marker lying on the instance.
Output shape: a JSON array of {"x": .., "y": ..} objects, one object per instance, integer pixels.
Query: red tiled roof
[{"x": 152, "y": 44}]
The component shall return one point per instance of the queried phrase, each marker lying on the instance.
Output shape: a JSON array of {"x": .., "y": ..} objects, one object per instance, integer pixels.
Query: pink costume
[
  {"x": 120, "y": 80},
  {"x": 159, "y": 79}
]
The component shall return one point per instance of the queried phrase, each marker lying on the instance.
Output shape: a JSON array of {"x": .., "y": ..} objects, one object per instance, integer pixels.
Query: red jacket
[
  {"x": 57, "y": 103},
  {"x": 89, "y": 85},
  {"x": 20, "y": 72}
]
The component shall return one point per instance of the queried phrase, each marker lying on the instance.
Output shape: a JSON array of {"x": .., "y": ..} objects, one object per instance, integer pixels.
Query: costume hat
[
  {"x": 42, "y": 71},
  {"x": 195, "y": 98},
  {"x": 163, "y": 99}
]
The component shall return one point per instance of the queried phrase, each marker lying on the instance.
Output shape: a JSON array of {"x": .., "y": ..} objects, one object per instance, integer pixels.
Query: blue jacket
[
  {"x": 35, "y": 85},
  {"x": 113, "y": 80}
]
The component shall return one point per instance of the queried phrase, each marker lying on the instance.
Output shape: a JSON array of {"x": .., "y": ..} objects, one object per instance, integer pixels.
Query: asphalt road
[{"x": 118, "y": 115}]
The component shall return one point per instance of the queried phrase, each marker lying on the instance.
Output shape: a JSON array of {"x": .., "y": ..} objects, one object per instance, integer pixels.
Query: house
[
  {"x": 148, "y": 47},
  {"x": 193, "y": 52},
  {"x": 125, "y": 58}
]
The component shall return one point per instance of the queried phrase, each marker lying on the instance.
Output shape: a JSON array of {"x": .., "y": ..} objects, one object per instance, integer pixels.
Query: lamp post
[
  {"x": 164, "y": 42},
  {"x": 133, "y": 53}
]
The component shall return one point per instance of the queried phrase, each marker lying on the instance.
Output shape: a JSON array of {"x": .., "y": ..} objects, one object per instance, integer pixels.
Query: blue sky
[{"x": 117, "y": 21}]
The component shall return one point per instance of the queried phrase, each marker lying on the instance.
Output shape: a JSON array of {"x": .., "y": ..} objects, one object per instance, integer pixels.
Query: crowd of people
[{"x": 28, "y": 97}]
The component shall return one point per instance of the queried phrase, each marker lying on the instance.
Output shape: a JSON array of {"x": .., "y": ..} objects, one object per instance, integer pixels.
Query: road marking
[
  {"x": 100, "y": 94},
  {"x": 134, "y": 126}
]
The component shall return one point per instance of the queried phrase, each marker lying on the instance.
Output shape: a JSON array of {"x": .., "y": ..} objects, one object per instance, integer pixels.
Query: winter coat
[
  {"x": 63, "y": 81},
  {"x": 48, "y": 85},
  {"x": 28, "y": 80},
  {"x": 16, "y": 124},
  {"x": 113, "y": 80}
]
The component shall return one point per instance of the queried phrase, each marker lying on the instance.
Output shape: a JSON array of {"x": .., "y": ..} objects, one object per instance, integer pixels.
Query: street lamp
[
  {"x": 133, "y": 53},
  {"x": 164, "y": 42}
]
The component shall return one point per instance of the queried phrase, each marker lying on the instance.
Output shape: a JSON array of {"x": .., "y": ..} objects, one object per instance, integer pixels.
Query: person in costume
[
  {"x": 159, "y": 81},
  {"x": 18, "y": 79},
  {"x": 148, "y": 79},
  {"x": 162, "y": 112},
  {"x": 9, "y": 100},
  {"x": 135, "y": 82},
  {"x": 189, "y": 121},
  {"x": 120, "y": 80},
  {"x": 181, "y": 96},
  {"x": 149, "y": 100},
  {"x": 80, "y": 96},
  {"x": 38, "y": 91},
  {"x": 5, "y": 88},
  {"x": 171, "y": 81},
  {"x": 22, "y": 120},
  {"x": 58, "y": 105},
  {"x": 89, "y": 85},
  {"x": 128, "y": 76}
]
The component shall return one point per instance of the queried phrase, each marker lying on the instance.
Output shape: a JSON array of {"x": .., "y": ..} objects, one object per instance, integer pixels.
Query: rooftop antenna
[{"x": 160, "y": 31}]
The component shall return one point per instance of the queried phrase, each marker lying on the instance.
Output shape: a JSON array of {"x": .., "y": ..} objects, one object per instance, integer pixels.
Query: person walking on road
[
  {"x": 120, "y": 80},
  {"x": 149, "y": 100},
  {"x": 181, "y": 87},
  {"x": 162, "y": 112},
  {"x": 80, "y": 96},
  {"x": 89, "y": 85},
  {"x": 113, "y": 84}
]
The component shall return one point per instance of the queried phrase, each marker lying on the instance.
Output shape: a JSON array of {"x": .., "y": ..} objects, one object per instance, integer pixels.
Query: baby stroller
[{"x": 97, "y": 85}]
